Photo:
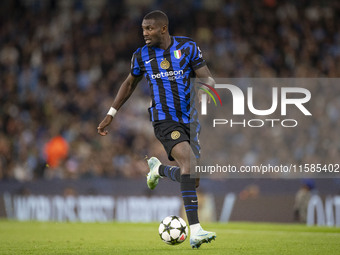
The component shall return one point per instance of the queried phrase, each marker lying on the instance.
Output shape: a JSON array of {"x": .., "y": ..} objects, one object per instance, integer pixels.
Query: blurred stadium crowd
[{"x": 61, "y": 63}]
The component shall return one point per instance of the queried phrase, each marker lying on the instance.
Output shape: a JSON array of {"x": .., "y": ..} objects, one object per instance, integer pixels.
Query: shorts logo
[
  {"x": 175, "y": 135},
  {"x": 165, "y": 64}
]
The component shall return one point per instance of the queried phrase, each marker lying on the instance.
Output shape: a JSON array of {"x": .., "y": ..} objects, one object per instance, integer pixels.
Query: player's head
[{"x": 155, "y": 27}]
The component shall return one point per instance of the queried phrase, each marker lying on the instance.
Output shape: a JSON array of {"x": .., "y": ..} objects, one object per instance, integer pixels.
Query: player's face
[{"x": 152, "y": 32}]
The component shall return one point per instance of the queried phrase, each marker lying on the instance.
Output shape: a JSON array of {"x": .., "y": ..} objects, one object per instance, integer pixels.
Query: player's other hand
[
  {"x": 200, "y": 92},
  {"x": 101, "y": 128}
]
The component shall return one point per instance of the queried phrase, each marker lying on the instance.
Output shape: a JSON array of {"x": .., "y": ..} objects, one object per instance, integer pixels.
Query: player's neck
[{"x": 165, "y": 43}]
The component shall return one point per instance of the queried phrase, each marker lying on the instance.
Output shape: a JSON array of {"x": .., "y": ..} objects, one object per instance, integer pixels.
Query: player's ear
[{"x": 164, "y": 29}]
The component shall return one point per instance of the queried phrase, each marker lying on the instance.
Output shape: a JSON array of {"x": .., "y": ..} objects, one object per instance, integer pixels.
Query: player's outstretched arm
[{"x": 124, "y": 92}]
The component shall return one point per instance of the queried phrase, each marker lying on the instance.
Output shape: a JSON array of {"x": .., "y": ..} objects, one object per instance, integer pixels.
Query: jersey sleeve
[
  {"x": 197, "y": 60},
  {"x": 135, "y": 67}
]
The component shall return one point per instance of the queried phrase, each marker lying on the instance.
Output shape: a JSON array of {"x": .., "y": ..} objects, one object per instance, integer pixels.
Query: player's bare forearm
[
  {"x": 124, "y": 92},
  {"x": 205, "y": 76},
  {"x": 203, "y": 72}
]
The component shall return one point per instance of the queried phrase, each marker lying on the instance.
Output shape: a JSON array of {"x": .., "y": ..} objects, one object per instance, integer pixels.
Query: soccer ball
[{"x": 173, "y": 230}]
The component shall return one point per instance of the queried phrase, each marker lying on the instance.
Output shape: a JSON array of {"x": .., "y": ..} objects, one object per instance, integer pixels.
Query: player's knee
[{"x": 184, "y": 164}]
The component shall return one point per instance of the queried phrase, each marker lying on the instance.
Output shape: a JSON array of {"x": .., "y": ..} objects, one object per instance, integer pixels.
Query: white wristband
[{"x": 112, "y": 112}]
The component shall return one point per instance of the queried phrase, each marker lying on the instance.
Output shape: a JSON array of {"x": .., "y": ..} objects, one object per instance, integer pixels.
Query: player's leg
[
  {"x": 183, "y": 154},
  {"x": 171, "y": 172},
  {"x": 168, "y": 133},
  {"x": 175, "y": 138},
  {"x": 157, "y": 170}
]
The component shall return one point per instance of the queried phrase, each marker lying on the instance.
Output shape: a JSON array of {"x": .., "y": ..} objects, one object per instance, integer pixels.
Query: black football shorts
[{"x": 170, "y": 133}]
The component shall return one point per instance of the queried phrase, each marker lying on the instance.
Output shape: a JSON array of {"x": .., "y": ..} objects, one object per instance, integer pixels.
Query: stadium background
[{"x": 61, "y": 63}]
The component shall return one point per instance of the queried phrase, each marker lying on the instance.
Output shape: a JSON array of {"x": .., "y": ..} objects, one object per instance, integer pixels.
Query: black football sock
[
  {"x": 172, "y": 172},
  {"x": 188, "y": 190}
]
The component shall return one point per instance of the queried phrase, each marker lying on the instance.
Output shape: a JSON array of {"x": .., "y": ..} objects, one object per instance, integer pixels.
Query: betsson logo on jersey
[{"x": 171, "y": 75}]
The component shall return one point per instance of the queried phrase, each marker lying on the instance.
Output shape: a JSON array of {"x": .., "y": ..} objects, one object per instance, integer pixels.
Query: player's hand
[
  {"x": 200, "y": 93},
  {"x": 101, "y": 128}
]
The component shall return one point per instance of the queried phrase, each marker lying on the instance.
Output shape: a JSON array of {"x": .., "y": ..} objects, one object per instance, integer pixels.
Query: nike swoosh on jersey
[{"x": 148, "y": 61}]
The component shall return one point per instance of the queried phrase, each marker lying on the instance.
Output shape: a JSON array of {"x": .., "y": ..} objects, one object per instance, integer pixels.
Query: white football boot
[
  {"x": 153, "y": 175},
  {"x": 200, "y": 237}
]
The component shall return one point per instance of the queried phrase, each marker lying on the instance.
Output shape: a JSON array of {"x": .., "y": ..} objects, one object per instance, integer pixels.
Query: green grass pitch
[{"x": 137, "y": 238}]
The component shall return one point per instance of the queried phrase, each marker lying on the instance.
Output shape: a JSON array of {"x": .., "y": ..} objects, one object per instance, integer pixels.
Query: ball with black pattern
[{"x": 173, "y": 230}]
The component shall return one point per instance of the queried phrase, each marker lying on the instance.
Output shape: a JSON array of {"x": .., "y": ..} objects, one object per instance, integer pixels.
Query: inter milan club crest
[
  {"x": 177, "y": 54},
  {"x": 165, "y": 64},
  {"x": 175, "y": 135}
]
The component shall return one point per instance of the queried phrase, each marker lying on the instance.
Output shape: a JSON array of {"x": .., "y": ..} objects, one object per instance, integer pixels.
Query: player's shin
[{"x": 188, "y": 190}]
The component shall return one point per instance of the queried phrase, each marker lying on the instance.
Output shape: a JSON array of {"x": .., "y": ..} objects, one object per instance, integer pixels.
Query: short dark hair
[{"x": 158, "y": 16}]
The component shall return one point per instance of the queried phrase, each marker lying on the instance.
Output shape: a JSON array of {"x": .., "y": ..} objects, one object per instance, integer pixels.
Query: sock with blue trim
[
  {"x": 188, "y": 190},
  {"x": 172, "y": 172}
]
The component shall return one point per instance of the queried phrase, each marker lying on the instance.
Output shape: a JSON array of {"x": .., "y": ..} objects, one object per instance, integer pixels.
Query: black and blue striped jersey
[{"x": 168, "y": 74}]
